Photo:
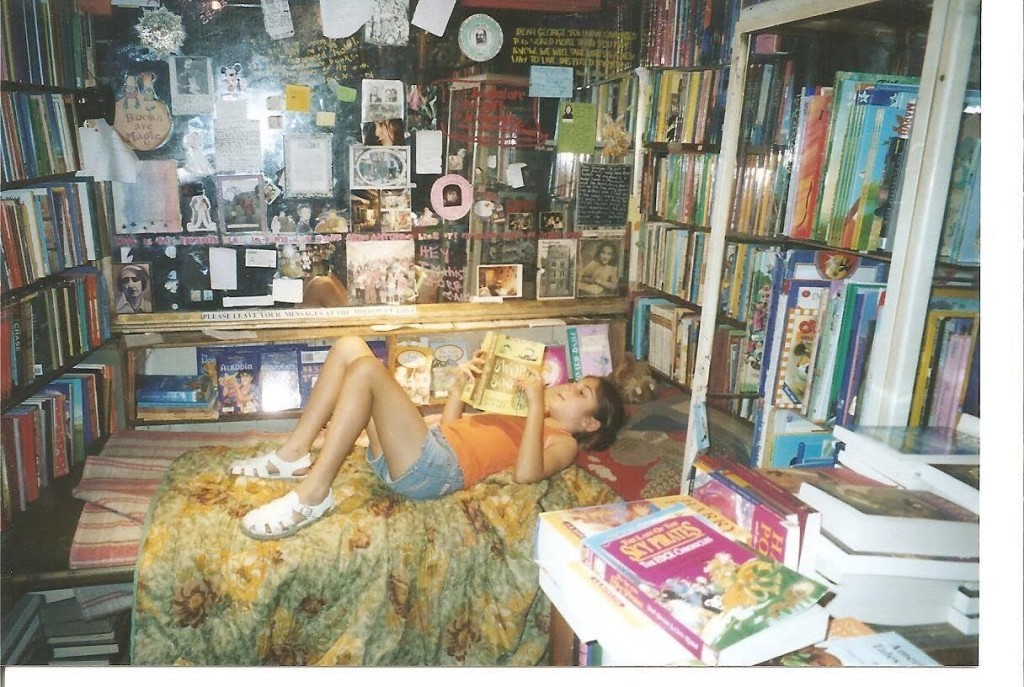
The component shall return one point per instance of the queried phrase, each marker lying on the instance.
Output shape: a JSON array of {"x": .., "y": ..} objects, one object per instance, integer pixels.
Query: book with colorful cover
[
  {"x": 238, "y": 371},
  {"x": 508, "y": 359},
  {"x": 447, "y": 353},
  {"x": 311, "y": 360},
  {"x": 589, "y": 350},
  {"x": 727, "y": 604},
  {"x": 279, "y": 378},
  {"x": 411, "y": 364},
  {"x": 172, "y": 389},
  {"x": 868, "y": 649},
  {"x": 556, "y": 365}
]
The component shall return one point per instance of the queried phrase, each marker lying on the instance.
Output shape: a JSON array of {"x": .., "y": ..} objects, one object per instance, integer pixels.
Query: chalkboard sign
[{"x": 603, "y": 198}]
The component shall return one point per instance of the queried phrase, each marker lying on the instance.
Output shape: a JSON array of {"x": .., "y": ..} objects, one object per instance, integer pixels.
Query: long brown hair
[{"x": 610, "y": 412}]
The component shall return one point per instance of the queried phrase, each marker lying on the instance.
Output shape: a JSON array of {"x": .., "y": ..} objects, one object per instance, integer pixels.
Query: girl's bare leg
[
  {"x": 368, "y": 394},
  {"x": 323, "y": 397}
]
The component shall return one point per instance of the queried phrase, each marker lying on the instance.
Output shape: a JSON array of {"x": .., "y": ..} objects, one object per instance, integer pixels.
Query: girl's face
[
  {"x": 384, "y": 133},
  {"x": 573, "y": 403},
  {"x": 606, "y": 255},
  {"x": 131, "y": 284}
]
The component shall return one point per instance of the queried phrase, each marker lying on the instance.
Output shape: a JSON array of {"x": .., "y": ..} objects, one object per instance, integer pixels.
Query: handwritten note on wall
[{"x": 603, "y": 199}]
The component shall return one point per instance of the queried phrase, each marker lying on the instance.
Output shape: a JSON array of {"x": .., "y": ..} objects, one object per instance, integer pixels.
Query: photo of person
[
  {"x": 133, "y": 289},
  {"x": 567, "y": 113},
  {"x": 500, "y": 280},
  {"x": 552, "y": 221},
  {"x": 452, "y": 196},
  {"x": 384, "y": 132},
  {"x": 600, "y": 273}
]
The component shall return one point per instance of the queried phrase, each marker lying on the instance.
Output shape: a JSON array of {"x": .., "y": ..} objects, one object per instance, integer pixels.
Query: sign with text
[{"x": 603, "y": 199}]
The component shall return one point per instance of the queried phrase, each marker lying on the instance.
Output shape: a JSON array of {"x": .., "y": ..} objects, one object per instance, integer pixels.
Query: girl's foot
[
  {"x": 270, "y": 466},
  {"x": 284, "y": 516}
]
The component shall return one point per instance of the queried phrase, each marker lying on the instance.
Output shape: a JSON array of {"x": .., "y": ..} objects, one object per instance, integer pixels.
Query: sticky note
[
  {"x": 297, "y": 98},
  {"x": 325, "y": 118}
]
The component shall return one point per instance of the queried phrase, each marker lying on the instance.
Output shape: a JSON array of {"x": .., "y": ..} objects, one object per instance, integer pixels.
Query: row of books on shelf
[
  {"x": 680, "y": 187},
  {"x": 39, "y": 130},
  {"x": 687, "y": 33},
  {"x": 671, "y": 259},
  {"x": 44, "y": 43},
  {"x": 50, "y": 432},
  {"x": 748, "y": 567},
  {"x": 52, "y": 327},
  {"x": 840, "y": 185},
  {"x": 687, "y": 106},
  {"x": 240, "y": 380},
  {"x": 51, "y": 227},
  {"x": 66, "y": 627},
  {"x": 615, "y": 100}
]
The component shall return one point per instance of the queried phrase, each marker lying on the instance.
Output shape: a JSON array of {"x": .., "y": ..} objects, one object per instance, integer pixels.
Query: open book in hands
[{"x": 507, "y": 359}]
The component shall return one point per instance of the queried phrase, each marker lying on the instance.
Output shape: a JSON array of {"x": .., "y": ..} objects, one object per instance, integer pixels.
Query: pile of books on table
[
  {"x": 703, "y": 596},
  {"x": 900, "y": 545},
  {"x": 176, "y": 397}
]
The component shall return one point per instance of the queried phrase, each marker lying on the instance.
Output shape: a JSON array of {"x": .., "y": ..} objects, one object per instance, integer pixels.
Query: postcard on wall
[
  {"x": 150, "y": 205},
  {"x": 600, "y": 254},
  {"x": 556, "y": 268},
  {"x": 378, "y": 166},
  {"x": 308, "y": 163},
  {"x": 383, "y": 99},
  {"x": 505, "y": 280},
  {"x": 240, "y": 202},
  {"x": 238, "y": 145},
  {"x": 192, "y": 85}
]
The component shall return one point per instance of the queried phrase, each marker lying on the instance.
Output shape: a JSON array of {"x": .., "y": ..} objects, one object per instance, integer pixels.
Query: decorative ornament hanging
[{"x": 161, "y": 32}]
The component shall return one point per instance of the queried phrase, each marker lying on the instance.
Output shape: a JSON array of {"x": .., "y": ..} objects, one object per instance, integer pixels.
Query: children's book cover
[
  {"x": 508, "y": 359},
  {"x": 589, "y": 350},
  {"x": 279, "y": 378},
  {"x": 447, "y": 354},
  {"x": 556, "y": 366},
  {"x": 411, "y": 365},
  {"x": 311, "y": 359},
  {"x": 238, "y": 373}
]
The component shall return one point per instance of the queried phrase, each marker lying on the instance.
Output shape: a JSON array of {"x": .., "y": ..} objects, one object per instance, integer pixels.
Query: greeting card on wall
[
  {"x": 150, "y": 205},
  {"x": 378, "y": 166},
  {"x": 308, "y": 164},
  {"x": 191, "y": 80},
  {"x": 241, "y": 203}
]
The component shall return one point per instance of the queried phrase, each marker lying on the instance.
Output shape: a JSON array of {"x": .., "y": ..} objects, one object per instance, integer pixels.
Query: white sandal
[
  {"x": 259, "y": 467},
  {"x": 277, "y": 519}
]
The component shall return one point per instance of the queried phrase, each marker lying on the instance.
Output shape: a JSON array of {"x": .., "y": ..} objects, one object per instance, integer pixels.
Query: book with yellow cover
[{"x": 508, "y": 359}]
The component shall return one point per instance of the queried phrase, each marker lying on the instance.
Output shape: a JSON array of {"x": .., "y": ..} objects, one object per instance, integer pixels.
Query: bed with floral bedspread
[{"x": 381, "y": 581}]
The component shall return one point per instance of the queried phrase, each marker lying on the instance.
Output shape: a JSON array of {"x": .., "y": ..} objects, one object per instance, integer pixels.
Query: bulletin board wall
[{"x": 284, "y": 172}]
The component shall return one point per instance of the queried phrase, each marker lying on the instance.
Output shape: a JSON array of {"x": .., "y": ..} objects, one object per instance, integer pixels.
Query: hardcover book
[
  {"x": 890, "y": 519},
  {"x": 507, "y": 359},
  {"x": 411, "y": 365},
  {"x": 727, "y": 604},
  {"x": 836, "y": 561}
]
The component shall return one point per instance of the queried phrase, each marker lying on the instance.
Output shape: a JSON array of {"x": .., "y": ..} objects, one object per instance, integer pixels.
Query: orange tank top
[{"x": 486, "y": 443}]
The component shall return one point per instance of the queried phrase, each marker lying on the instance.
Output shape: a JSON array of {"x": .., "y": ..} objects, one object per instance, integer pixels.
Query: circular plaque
[{"x": 480, "y": 37}]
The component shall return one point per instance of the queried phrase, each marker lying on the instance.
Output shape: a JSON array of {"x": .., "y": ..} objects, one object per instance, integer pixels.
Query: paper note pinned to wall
[
  {"x": 286, "y": 290},
  {"x": 514, "y": 174},
  {"x": 325, "y": 119},
  {"x": 342, "y": 18},
  {"x": 105, "y": 156},
  {"x": 223, "y": 268},
  {"x": 429, "y": 150},
  {"x": 277, "y": 19},
  {"x": 433, "y": 15},
  {"x": 297, "y": 98},
  {"x": 550, "y": 82}
]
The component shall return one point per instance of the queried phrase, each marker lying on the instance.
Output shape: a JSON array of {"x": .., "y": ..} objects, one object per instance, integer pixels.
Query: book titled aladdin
[{"x": 725, "y": 603}]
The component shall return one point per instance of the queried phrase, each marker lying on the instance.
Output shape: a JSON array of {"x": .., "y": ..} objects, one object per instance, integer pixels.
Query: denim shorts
[{"x": 436, "y": 473}]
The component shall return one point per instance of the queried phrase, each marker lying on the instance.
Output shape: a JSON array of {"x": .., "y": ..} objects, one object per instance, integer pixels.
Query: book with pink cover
[
  {"x": 727, "y": 604},
  {"x": 589, "y": 350}
]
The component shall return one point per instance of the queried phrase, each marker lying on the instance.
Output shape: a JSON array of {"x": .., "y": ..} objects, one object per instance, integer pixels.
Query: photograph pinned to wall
[
  {"x": 556, "y": 268},
  {"x": 240, "y": 202},
  {"x": 151, "y": 204},
  {"x": 196, "y": 208},
  {"x": 505, "y": 280},
  {"x": 521, "y": 223},
  {"x": 330, "y": 221},
  {"x": 389, "y": 24},
  {"x": 380, "y": 272},
  {"x": 191, "y": 85},
  {"x": 480, "y": 37},
  {"x": 378, "y": 166},
  {"x": 383, "y": 99},
  {"x": 133, "y": 286},
  {"x": 451, "y": 196},
  {"x": 384, "y": 132},
  {"x": 365, "y": 210},
  {"x": 396, "y": 210},
  {"x": 165, "y": 270},
  {"x": 601, "y": 256},
  {"x": 308, "y": 162},
  {"x": 552, "y": 222}
]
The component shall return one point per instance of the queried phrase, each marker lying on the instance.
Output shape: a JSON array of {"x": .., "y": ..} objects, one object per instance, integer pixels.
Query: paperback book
[
  {"x": 279, "y": 379},
  {"x": 727, "y": 604},
  {"x": 589, "y": 351},
  {"x": 238, "y": 379},
  {"x": 507, "y": 360}
]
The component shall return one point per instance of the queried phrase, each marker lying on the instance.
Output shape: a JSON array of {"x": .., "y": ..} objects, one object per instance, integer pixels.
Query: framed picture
[
  {"x": 378, "y": 166},
  {"x": 241, "y": 203},
  {"x": 451, "y": 196},
  {"x": 556, "y": 268},
  {"x": 600, "y": 255},
  {"x": 505, "y": 280}
]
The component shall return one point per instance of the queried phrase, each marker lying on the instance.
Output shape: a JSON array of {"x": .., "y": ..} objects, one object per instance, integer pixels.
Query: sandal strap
[
  {"x": 258, "y": 466},
  {"x": 275, "y": 519}
]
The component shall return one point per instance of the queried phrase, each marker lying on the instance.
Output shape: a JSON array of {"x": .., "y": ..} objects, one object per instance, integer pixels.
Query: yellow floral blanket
[{"x": 381, "y": 581}]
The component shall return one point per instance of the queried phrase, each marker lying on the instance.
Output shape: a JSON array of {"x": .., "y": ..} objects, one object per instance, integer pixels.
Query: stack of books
[
  {"x": 895, "y": 550},
  {"x": 175, "y": 397},
  {"x": 21, "y": 633},
  {"x": 74, "y": 637}
]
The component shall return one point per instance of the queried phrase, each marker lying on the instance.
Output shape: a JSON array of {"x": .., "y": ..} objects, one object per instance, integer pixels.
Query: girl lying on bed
[{"x": 355, "y": 392}]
